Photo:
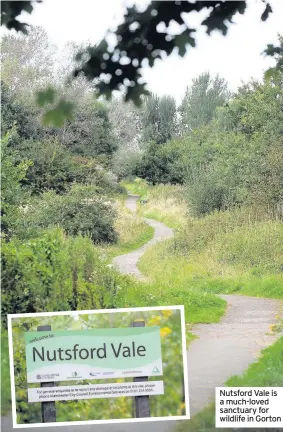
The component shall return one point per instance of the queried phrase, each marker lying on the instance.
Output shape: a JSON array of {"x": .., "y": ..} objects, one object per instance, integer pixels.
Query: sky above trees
[{"x": 238, "y": 56}]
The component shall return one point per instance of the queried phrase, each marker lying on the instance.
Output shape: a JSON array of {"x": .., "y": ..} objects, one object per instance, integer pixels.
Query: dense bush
[
  {"x": 14, "y": 113},
  {"x": 80, "y": 212},
  {"x": 53, "y": 167},
  {"x": 12, "y": 173},
  {"x": 160, "y": 164},
  {"x": 125, "y": 161},
  {"x": 205, "y": 194},
  {"x": 54, "y": 272},
  {"x": 89, "y": 133}
]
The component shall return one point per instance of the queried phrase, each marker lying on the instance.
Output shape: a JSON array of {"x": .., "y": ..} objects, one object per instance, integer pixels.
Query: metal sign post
[
  {"x": 141, "y": 403},
  {"x": 48, "y": 409}
]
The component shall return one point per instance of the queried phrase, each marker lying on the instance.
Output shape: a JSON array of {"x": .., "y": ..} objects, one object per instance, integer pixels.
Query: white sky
[{"x": 235, "y": 57}]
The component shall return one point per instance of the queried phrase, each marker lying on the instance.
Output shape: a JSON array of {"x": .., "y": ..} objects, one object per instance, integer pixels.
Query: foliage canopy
[{"x": 138, "y": 39}]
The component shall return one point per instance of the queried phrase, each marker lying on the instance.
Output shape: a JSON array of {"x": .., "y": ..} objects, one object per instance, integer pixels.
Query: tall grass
[
  {"x": 246, "y": 260},
  {"x": 165, "y": 203},
  {"x": 136, "y": 187},
  {"x": 236, "y": 251},
  {"x": 133, "y": 232}
]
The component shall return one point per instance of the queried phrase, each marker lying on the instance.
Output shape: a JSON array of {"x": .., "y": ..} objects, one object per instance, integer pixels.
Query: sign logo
[
  {"x": 74, "y": 374},
  {"x": 155, "y": 369}
]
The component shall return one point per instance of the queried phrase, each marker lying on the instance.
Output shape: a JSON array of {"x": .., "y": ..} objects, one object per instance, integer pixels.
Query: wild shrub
[
  {"x": 53, "y": 167},
  {"x": 13, "y": 172},
  {"x": 54, "y": 273},
  {"x": 205, "y": 194},
  {"x": 80, "y": 212},
  {"x": 35, "y": 275}
]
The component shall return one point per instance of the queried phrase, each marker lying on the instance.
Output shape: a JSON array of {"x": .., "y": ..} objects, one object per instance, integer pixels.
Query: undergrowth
[
  {"x": 226, "y": 252},
  {"x": 132, "y": 231},
  {"x": 164, "y": 203}
]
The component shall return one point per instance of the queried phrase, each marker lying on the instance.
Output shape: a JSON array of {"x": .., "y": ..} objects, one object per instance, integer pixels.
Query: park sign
[{"x": 93, "y": 354}]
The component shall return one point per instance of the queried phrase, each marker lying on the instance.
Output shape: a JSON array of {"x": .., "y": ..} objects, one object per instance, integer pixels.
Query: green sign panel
[{"x": 93, "y": 354}]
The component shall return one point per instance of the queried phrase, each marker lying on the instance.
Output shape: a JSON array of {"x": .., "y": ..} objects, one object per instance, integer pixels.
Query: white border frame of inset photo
[{"x": 100, "y": 311}]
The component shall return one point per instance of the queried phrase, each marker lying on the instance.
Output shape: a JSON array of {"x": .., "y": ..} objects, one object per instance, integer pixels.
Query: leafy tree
[
  {"x": 125, "y": 119},
  {"x": 234, "y": 159},
  {"x": 138, "y": 39},
  {"x": 256, "y": 108},
  {"x": 239, "y": 156},
  {"x": 90, "y": 132},
  {"x": 159, "y": 119},
  {"x": 125, "y": 162},
  {"x": 277, "y": 53},
  {"x": 10, "y": 10},
  {"x": 23, "y": 117},
  {"x": 27, "y": 62},
  {"x": 160, "y": 164},
  {"x": 201, "y": 101}
]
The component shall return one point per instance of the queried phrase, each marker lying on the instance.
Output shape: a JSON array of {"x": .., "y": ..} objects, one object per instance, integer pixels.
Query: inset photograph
[{"x": 98, "y": 366}]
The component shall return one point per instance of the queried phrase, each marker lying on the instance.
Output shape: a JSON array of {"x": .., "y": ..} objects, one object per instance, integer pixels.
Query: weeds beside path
[{"x": 127, "y": 263}]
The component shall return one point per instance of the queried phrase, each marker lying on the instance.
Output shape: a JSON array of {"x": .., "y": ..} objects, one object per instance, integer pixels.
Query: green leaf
[
  {"x": 270, "y": 73},
  {"x": 182, "y": 40},
  {"x": 57, "y": 116},
  {"x": 45, "y": 97},
  {"x": 266, "y": 12}
]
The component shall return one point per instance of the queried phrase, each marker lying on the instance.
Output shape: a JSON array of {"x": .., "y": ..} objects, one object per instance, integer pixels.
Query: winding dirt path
[{"x": 221, "y": 350}]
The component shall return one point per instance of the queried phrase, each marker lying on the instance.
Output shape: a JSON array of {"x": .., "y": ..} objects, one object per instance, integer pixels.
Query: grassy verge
[
  {"x": 209, "y": 259},
  {"x": 133, "y": 233},
  {"x": 266, "y": 372},
  {"x": 165, "y": 203},
  {"x": 238, "y": 251},
  {"x": 136, "y": 187}
]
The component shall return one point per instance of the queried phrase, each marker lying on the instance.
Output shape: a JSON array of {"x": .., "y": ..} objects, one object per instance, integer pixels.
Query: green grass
[
  {"x": 172, "y": 269},
  {"x": 267, "y": 371},
  {"x": 165, "y": 203},
  {"x": 136, "y": 187},
  {"x": 120, "y": 248},
  {"x": 133, "y": 233},
  {"x": 238, "y": 251},
  {"x": 226, "y": 252}
]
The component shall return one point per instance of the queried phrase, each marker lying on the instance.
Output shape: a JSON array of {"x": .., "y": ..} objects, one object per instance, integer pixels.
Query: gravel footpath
[{"x": 221, "y": 350}]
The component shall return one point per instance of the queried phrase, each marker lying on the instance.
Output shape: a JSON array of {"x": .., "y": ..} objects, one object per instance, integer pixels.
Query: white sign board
[{"x": 109, "y": 390}]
